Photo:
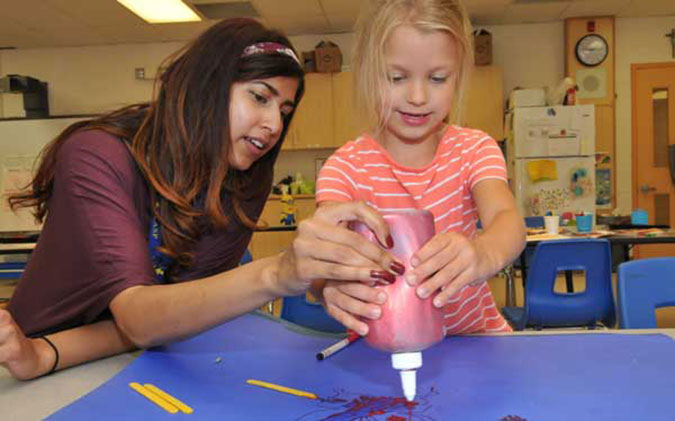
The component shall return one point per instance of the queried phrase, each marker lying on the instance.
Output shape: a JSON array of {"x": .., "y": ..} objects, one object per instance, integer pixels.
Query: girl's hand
[
  {"x": 23, "y": 357},
  {"x": 325, "y": 248},
  {"x": 449, "y": 261},
  {"x": 346, "y": 301}
]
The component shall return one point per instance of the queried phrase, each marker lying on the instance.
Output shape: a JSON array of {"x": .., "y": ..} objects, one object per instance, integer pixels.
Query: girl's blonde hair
[{"x": 377, "y": 21}]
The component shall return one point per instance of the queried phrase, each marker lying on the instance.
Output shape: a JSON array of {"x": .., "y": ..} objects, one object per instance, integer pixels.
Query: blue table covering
[{"x": 557, "y": 377}]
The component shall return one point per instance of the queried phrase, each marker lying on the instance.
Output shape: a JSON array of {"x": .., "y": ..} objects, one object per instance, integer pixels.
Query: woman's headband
[{"x": 269, "y": 47}]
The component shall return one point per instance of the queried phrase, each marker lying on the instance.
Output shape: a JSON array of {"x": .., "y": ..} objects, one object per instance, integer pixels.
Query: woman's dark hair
[{"x": 181, "y": 139}]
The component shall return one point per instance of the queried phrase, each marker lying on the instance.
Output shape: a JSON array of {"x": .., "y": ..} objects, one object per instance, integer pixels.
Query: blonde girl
[{"x": 411, "y": 62}]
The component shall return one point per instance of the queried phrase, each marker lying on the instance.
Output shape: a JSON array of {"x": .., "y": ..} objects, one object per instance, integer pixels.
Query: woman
[{"x": 139, "y": 201}]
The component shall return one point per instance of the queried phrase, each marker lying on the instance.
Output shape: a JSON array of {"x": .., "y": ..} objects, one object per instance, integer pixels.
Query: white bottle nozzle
[
  {"x": 407, "y": 363},
  {"x": 409, "y": 383}
]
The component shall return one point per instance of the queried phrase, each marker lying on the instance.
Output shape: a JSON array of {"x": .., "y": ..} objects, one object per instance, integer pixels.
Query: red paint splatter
[{"x": 370, "y": 406}]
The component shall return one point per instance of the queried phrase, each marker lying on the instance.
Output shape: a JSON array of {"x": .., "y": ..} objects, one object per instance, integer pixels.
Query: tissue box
[
  {"x": 482, "y": 48},
  {"x": 328, "y": 57},
  {"x": 534, "y": 97}
]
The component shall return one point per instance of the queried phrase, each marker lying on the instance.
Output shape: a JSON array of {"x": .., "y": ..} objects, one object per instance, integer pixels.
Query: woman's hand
[
  {"x": 449, "y": 261},
  {"x": 23, "y": 357},
  {"x": 326, "y": 249}
]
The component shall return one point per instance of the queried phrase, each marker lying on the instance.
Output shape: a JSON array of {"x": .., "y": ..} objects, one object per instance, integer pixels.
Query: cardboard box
[
  {"x": 482, "y": 47},
  {"x": 309, "y": 61},
  {"x": 531, "y": 97},
  {"x": 328, "y": 57}
]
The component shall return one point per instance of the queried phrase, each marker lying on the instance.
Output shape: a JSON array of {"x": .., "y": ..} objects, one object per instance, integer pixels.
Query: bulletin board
[
  {"x": 548, "y": 377},
  {"x": 21, "y": 141}
]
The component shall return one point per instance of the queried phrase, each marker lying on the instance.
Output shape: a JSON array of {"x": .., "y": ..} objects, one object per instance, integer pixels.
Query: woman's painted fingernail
[
  {"x": 363, "y": 330},
  {"x": 415, "y": 261},
  {"x": 382, "y": 276},
  {"x": 397, "y": 268},
  {"x": 438, "y": 302},
  {"x": 381, "y": 298},
  {"x": 422, "y": 292},
  {"x": 375, "y": 313},
  {"x": 390, "y": 242}
]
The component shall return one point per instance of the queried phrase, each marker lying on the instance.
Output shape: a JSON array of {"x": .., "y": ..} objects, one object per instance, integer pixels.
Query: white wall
[
  {"x": 637, "y": 41},
  {"x": 94, "y": 79},
  {"x": 532, "y": 55},
  {"x": 85, "y": 80}
]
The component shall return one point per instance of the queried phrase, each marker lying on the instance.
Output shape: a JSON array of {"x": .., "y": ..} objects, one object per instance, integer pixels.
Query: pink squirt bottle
[{"x": 408, "y": 323}]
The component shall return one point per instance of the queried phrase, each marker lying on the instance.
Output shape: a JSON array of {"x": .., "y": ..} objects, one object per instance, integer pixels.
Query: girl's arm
[
  {"x": 503, "y": 236},
  {"x": 27, "y": 358},
  {"x": 450, "y": 261}
]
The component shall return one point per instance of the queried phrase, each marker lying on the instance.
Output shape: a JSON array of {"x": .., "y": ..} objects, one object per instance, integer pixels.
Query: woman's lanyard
[{"x": 160, "y": 261}]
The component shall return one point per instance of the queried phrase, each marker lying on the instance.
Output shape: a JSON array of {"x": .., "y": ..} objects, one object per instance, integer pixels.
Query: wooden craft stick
[
  {"x": 283, "y": 389},
  {"x": 153, "y": 398},
  {"x": 171, "y": 399}
]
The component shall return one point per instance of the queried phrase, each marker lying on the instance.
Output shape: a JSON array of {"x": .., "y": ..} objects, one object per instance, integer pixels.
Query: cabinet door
[
  {"x": 289, "y": 142},
  {"x": 349, "y": 123},
  {"x": 313, "y": 121},
  {"x": 269, "y": 243},
  {"x": 484, "y": 101}
]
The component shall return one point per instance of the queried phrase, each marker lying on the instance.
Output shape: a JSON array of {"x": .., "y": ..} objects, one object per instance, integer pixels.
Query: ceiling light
[{"x": 161, "y": 11}]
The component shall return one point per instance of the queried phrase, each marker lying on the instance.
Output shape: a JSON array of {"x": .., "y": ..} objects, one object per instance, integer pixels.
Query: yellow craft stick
[
  {"x": 153, "y": 398},
  {"x": 283, "y": 389},
  {"x": 172, "y": 400}
]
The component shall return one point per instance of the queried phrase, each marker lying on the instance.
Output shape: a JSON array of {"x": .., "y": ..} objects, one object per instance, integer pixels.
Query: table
[
  {"x": 622, "y": 241},
  {"x": 39, "y": 398}
]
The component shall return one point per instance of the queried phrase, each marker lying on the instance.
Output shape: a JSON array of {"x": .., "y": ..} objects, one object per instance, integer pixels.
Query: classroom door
[{"x": 653, "y": 105}]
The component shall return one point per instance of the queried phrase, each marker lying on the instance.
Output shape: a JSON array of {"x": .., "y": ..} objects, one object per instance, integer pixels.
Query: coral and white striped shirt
[{"x": 363, "y": 170}]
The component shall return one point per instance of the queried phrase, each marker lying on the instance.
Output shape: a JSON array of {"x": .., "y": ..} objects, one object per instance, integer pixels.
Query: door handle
[
  {"x": 646, "y": 188},
  {"x": 671, "y": 162}
]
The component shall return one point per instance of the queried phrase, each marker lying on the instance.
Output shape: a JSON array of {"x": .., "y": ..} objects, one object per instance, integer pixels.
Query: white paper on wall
[
  {"x": 564, "y": 145},
  {"x": 15, "y": 174}
]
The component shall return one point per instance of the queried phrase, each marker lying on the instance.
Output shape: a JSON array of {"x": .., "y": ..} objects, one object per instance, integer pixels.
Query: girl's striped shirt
[{"x": 363, "y": 170}]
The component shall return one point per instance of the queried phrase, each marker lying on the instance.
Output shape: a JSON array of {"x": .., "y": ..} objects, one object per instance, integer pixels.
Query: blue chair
[
  {"x": 524, "y": 261},
  {"x": 309, "y": 314},
  {"x": 11, "y": 270},
  {"x": 246, "y": 258},
  {"x": 643, "y": 286},
  {"x": 546, "y": 308},
  {"x": 302, "y": 312}
]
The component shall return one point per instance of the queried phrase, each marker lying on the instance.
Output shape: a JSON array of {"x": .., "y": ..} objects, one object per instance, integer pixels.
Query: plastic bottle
[{"x": 408, "y": 323}]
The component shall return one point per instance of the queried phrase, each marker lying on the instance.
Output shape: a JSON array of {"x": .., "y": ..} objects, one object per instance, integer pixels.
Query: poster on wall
[{"x": 603, "y": 187}]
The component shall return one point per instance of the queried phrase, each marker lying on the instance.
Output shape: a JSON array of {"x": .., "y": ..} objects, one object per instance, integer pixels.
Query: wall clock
[{"x": 591, "y": 50}]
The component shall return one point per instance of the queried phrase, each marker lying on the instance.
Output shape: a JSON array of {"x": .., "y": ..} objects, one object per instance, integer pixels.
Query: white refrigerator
[{"x": 551, "y": 157}]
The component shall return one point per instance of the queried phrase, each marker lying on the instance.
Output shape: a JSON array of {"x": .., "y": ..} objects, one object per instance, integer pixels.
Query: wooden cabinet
[
  {"x": 484, "y": 101},
  {"x": 327, "y": 116},
  {"x": 348, "y": 122},
  {"x": 269, "y": 243},
  {"x": 312, "y": 125}
]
